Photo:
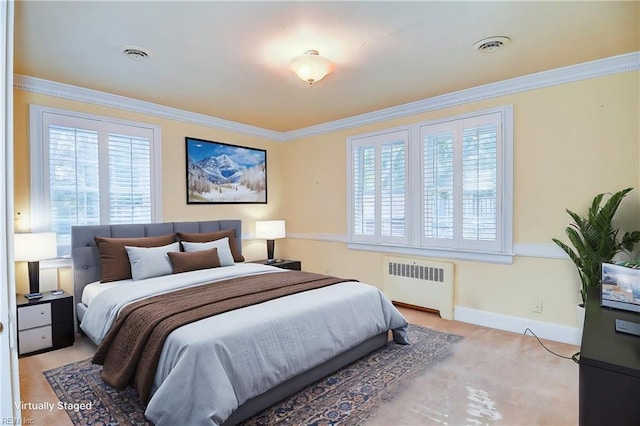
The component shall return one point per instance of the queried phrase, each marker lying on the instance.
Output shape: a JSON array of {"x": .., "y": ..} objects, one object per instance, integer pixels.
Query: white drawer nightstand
[{"x": 44, "y": 324}]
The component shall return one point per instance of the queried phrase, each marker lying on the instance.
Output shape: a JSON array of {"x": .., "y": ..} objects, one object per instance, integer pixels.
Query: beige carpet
[
  {"x": 349, "y": 396},
  {"x": 494, "y": 377}
]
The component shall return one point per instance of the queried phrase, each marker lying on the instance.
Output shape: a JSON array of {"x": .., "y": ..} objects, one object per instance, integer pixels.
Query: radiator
[{"x": 420, "y": 283}]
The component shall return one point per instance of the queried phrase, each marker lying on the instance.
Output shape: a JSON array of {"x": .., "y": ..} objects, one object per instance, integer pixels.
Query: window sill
[{"x": 503, "y": 258}]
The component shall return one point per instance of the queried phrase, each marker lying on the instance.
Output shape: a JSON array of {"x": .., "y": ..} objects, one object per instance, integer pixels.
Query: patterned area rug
[{"x": 349, "y": 396}]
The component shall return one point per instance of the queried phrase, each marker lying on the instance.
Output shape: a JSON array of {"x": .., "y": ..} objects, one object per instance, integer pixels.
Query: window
[
  {"x": 90, "y": 170},
  {"x": 380, "y": 187},
  {"x": 439, "y": 188}
]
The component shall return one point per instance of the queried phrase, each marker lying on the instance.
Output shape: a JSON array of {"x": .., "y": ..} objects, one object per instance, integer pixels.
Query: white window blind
[
  {"x": 461, "y": 183},
  {"x": 438, "y": 185},
  {"x": 88, "y": 170},
  {"x": 379, "y": 188},
  {"x": 441, "y": 187},
  {"x": 74, "y": 185},
  {"x": 480, "y": 183},
  {"x": 129, "y": 179},
  {"x": 392, "y": 189},
  {"x": 364, "y": 189}
]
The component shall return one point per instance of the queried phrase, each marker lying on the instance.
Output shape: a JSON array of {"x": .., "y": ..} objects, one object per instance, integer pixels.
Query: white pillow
[
  {"x": 224, "y": 251},
  {"x": 147, "y": 262}
]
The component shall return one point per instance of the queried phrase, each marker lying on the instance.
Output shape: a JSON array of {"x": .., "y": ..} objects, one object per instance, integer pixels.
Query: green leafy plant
[{"x": 595, "y": 239}]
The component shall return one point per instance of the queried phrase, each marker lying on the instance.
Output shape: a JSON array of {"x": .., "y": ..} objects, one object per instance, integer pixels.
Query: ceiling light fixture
[
  {"x": 492, "y": 44},
  {"x": 311, "y": 67}
]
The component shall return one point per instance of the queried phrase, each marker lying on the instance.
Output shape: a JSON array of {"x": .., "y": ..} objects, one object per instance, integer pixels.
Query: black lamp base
[
  {"x": 270, "y": 248},
  {"x": 34, "y": 277}
]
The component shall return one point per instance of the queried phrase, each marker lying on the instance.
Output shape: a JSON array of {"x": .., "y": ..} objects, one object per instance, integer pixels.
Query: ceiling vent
[
  {"x": 492, "y": 44},
  {"x": 136, "y": 53}
]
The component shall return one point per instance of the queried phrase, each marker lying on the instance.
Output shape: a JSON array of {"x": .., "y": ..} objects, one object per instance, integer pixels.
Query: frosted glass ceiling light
[{"x": 311, "y": 67}]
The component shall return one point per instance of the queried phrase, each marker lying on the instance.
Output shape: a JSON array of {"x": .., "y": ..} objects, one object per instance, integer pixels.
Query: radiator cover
[{"x": 420, "y": 282}]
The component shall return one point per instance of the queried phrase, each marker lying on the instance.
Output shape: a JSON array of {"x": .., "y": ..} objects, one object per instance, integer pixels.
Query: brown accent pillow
[
  {"x": 114, "y": 258},
  {"x": 182, "y": 261},
  {"x": 212, "y": 236}
]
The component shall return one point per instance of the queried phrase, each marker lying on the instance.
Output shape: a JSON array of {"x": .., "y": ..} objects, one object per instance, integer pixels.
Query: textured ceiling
[{"x": 230, "y": 59}]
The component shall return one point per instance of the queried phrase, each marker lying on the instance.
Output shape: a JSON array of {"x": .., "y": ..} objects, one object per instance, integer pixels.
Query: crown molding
[
  {"x": 587, "y": 70},
  {"x": 593, "y": 69},
  {"x": 95, "y": 97}
]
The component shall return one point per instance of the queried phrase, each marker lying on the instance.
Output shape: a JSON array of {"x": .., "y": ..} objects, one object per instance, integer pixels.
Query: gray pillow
[
  {"x": 148, "y": 262},
  {"x": 224, "y": 251},
  {"x": 113, "y": 256}
]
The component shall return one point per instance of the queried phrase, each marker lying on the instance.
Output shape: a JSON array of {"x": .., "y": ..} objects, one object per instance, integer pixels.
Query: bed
[{"x": 238, "y": 362}]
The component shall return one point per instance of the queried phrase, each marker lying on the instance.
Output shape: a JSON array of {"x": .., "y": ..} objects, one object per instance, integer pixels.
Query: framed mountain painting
[{"x": 221, "y": 173}]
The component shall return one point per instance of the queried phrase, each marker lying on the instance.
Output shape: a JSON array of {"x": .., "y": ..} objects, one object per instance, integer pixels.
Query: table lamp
[
  {"x": 32, "y": 248},
  {"x": 270, "y": 230}
]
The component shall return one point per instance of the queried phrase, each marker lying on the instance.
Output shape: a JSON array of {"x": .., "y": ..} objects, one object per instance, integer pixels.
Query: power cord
[{"x": 575, "y": 357}]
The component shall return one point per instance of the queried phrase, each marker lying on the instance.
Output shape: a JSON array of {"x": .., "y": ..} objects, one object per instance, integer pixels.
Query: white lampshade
[
  {"x": 33, "y": 247},
  {"x": 270, "y": 229},
  {"x": 311, "y": 67}
]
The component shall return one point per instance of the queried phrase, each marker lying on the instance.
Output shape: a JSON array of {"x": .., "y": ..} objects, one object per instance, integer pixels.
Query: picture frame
[{"x": 222, "y": 173}]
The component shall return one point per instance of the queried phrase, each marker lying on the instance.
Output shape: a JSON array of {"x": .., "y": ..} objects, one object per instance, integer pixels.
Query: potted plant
[{"x": 595, "y": 239}]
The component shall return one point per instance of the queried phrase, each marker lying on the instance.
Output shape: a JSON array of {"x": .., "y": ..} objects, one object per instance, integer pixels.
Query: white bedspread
[
  {"x": 105, "y": 303},
  {"x": 209, "y": 368}
]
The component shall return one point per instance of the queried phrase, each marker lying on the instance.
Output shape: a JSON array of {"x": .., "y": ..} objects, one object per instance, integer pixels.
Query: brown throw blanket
[{"x": 131, "y": 350}]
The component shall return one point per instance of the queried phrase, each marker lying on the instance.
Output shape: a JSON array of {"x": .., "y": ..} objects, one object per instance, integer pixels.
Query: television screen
[{"x": 620, "y": 287}]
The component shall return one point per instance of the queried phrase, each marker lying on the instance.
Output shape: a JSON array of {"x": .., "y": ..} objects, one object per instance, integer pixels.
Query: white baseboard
[{"x": 545, "y": 330}]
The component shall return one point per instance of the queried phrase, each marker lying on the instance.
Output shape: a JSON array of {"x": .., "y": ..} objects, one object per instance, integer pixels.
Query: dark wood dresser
[{"x": 609, "y": 367}]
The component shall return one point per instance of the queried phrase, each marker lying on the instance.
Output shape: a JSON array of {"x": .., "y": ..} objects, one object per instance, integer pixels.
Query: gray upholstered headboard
[{"x": 84, "y": 252}]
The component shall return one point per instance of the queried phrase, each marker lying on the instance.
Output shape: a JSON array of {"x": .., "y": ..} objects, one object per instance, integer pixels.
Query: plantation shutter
[
  {"x": 480, "y": 180},
  {"x": 90, "y": 172},
  {"x": 441, "y": 188},
  {"x": 379, "y": 188},
  {"x": 129, "y": 179},
  {"x": 73, "y": 179},
  {"x": 392, "y": 189},
  {"x": 364, "y": 183},
  {"x": 438, "y": 183},
  {"x": 461, "y": 183}
]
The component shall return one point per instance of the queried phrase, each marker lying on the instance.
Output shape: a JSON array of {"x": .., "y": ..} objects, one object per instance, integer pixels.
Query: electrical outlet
[{"x": 537, "y": 306}]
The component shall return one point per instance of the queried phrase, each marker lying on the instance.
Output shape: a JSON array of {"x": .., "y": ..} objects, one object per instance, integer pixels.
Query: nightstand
[
  {"x": 44, "y": 324},
  {"x": 294, "y": 265}
]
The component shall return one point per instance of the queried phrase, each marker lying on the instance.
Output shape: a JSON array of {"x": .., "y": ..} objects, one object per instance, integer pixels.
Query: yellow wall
[
  {"x": 570, "y": 142},
  {"x": 174, "y": 207}
]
